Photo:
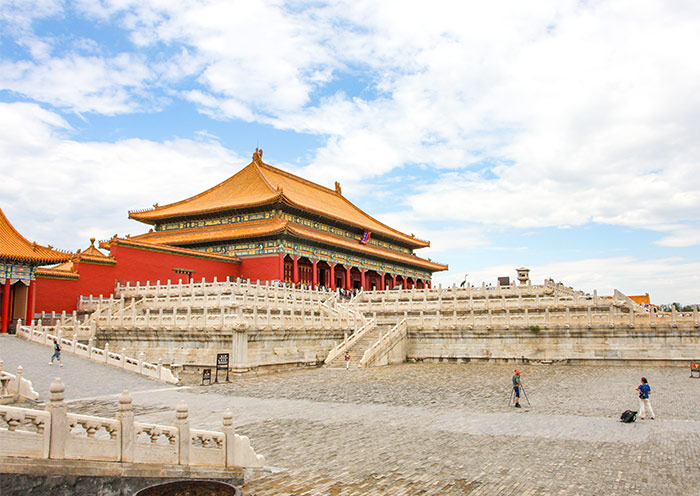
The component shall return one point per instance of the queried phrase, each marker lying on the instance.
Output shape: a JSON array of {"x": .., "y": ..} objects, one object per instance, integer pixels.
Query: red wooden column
[
  {"x": 30, "y": 303},
  {"x": 295, "y": 270},
  {"x": 430, "y": 284},
  {"x": 5, "y": 306},
  {"x": 348, "y": 282},
  {"x": 405, "y": 282},
  {"x": 393, "y": 281},
  {"x": 333, "y": 276},
  {"x": 382, "y": 275},
  {"x": 282, "y": 267},
  {"x": 362, "y": 279},
  {"x": 314, "y": 274}
]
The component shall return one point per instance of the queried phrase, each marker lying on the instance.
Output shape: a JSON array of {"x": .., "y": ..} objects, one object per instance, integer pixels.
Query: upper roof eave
[
  {"x": 15, "y": 247},
  {"x": 265, "y": 190}
]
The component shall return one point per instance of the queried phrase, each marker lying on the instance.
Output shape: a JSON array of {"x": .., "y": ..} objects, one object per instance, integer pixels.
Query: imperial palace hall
[{"x": 283, "y": 227}]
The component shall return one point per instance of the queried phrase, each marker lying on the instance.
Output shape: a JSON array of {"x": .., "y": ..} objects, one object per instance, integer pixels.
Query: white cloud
[
  {"x": 82, "y": 84},
  {"x": 62, "y": 192}
]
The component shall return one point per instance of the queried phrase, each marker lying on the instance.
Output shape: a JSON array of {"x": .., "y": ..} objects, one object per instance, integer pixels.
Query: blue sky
[{"x": 560, "y": 136}]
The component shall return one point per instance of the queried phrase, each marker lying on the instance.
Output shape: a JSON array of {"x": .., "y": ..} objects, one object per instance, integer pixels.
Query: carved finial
[
  {"x": 56, "y": 390},
  {"x": 34, "y": 246},
  {"x": 338, "y": 189},
  {"x": 181, "y": 411},
  {"x": 155, "y": 205},
  {"x": 92, "y": 241},
  {"x": 125, "y": 400},
  {"x": 257, "y": 155},
  {"x": 228, "y": 418}
]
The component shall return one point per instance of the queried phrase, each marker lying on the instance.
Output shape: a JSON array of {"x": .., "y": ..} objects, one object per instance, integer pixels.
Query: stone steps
[{"x": 358, "y": 349}]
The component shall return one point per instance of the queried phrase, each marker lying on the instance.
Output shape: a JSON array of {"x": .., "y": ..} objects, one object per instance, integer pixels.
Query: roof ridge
[
  {"x": 338, "y": 193},
  {"x": 298, "y": 178},
  {"x": 199, "y": 195}
]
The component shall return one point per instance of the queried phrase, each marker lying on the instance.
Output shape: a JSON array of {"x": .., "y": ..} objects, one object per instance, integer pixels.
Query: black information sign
[
  {"x": 206, "y": 376},
  {"x": 221, "y": 364}
]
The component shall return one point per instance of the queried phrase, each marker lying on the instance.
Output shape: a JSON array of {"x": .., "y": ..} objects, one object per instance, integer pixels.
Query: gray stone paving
[{"x": 446, "y": 429}]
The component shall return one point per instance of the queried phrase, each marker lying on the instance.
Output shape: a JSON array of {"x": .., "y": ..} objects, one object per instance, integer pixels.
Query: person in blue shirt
[{"x": 644, "y": 402}]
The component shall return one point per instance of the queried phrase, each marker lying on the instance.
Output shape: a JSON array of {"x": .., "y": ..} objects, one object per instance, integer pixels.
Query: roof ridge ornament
[
  {"x": 338, "y": 189},
  {"x": 257, "y": 155}
]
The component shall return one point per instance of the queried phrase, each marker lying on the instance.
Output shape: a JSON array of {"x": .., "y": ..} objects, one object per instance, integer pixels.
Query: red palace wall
[
  {"x": 133, "y": 264},
  {"x": 261, "y": 268}
]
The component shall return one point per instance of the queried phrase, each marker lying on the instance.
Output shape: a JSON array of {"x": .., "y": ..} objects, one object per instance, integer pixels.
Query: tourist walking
[
  {"x": 516, "y": 388},
  {"x": 645, "y": 410},
  {"x": 56, "y": 354},
  {"x": 347, "y": 360}
]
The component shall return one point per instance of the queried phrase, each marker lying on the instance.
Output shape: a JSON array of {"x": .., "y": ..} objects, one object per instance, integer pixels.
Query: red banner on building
[{"x": 365, "y": 237}]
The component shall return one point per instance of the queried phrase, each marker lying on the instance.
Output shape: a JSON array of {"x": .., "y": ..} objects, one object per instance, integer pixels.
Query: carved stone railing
[
  {"x": 385, "y": 343},
  {"x": 221, "y": 287},
  {"x": 155, "y": 371},
  {"x": 14, "y": 387},
  {"x": 60, "y": 435},
  {"x": 348, "y": 342}
]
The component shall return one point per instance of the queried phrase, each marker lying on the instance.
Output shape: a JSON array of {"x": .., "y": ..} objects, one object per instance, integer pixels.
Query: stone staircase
[{"x": 358, "y": 348}]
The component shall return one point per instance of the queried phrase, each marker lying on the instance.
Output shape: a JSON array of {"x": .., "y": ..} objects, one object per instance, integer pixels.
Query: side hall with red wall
[{"x": 129, "y": 262}]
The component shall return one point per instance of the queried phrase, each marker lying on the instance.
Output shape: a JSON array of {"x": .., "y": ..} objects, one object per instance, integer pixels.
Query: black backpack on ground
[{"x": 628, "y": 416}]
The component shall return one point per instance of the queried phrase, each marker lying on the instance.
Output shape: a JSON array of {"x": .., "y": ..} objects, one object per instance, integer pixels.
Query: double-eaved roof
[
  {"x": 15, "y": 247},
  {"x": 260, "y": 184}
]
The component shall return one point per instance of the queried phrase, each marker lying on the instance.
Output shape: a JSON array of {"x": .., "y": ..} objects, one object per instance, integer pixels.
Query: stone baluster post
[
  {"x": 695, "y": 316},
  {"x": 652, "y": 317},
  {"x": 230, "y": 437},
  {"x": 612, "y": 315},
  {"x": 122, "y": 358},
  {"x": 182, "y": 424},
  {"x": 18, "y": 378},
  {"x": 674, "y": 316},
  {"x": 59, "y": 423},
  {"x": 133, "y": 313},
  {"x": 105, "y": 358},
  {"x": 125, "y": 415},
  {"x": 589, "y": 316},
  {"x": 90, "y": 345},
  {"x": 490, "y": 318},
  {"x": 631, "y": 317}
]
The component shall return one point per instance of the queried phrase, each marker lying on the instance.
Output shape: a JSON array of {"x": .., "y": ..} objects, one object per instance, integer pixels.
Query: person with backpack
[
  {"x": 516, "y": 388},
  {"x": 56, "y": 354},
  {"x": 644, "y": 402}
]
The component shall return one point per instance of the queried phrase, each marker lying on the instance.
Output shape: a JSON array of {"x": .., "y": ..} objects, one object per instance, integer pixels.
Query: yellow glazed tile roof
[
  {"x": 66, "y": 270},
  {"x": 92, "y": 254},
  {"x": 259, "y": 184},
  {"x": 166, "y": 248},
  {"x": 215, "y": 233},
  {"x": 275, "y": 225},
  {"x": 14, "y": 246}
]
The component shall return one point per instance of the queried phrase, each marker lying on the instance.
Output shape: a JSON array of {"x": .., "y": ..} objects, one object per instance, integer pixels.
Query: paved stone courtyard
[{"x": 429, "y": 429}]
